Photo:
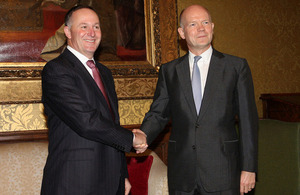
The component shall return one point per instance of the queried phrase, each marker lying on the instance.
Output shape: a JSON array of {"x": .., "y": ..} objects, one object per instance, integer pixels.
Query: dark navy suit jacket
[{"x": 86, "y": 145}]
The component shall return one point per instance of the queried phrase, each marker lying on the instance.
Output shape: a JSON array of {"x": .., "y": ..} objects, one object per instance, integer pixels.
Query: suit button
[
  {"x": 194, "y": 147},
  {"x": 197, "y": 125}
]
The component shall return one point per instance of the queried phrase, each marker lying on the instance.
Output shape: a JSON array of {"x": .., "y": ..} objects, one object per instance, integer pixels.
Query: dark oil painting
[{"x": 32, "y": 30}]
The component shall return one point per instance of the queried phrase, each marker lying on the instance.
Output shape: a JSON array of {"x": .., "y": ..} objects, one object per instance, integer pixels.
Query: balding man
[
  {"x": 86, "y": 141},
  {"x": 202, "y": 93}
]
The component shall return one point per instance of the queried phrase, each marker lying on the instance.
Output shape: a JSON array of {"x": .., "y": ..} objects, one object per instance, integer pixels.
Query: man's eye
[{"x": 84, "y": 27}]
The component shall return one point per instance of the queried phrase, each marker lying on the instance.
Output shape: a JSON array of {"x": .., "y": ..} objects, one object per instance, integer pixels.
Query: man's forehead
[
  {"x": 83, "y": 12},
  {"x": 196, "y": 12},
  {"x": 87, "y": 19}
]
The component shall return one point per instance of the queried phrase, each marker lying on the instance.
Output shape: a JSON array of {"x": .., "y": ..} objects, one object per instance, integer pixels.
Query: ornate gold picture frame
[
  {"x": 21, "y": 111},
  {"x": 23, "y": 70}
]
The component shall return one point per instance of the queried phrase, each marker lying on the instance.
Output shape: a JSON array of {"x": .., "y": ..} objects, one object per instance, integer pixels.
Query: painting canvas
[{"x": 29, "y": 28}]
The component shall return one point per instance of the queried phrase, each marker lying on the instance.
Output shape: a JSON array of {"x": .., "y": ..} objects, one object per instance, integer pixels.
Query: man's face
[
  {"x": 197, "y": 29},
  {"x": 84, "y": 33}
]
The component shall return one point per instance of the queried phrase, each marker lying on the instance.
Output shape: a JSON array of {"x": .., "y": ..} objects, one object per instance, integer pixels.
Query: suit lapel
[
  {"x": 109, "y": 89},
  {"x": 183, "y": 72},
  {"x": 214, "y": 73},
  {"x": 81, "y": 70}
]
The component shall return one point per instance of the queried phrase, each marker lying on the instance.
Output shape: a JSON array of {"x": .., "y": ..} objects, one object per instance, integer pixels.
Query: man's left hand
[{"x": 247, "y": 182}]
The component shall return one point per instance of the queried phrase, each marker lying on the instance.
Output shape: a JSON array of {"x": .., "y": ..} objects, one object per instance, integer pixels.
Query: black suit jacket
[
  {"x": 86, "y": 146},
  {"x": 206, "y": 144}
]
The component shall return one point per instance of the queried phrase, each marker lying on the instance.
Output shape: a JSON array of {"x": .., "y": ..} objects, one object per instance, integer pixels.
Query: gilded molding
[
  {"x": 30, "y": 91},
  {"x": 156, "y": 31},
  {"x": 21, "y": 70},
  {"x": 132, "y": 71},
  {"x": 20, "y": 74},
  {"x": 168, "y": 25},
  {"x": 117, "y": 71},
  {"x": 29, "y": 117},
  {"x": 133, "y": 111},
  {"x": 134, "y": 88},
  {"x": 20, "y": 91}
]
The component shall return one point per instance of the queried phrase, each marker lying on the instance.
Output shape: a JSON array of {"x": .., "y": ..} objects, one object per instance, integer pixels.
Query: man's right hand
[{"x": 139, "y": 141}]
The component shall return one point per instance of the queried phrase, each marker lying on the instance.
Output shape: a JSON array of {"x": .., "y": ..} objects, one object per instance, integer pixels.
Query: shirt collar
[
  {"x": 205, "y": 55},
  {"x": 83, "y": 59}
]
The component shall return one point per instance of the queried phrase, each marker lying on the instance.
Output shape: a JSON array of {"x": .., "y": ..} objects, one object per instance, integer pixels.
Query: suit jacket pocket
[
  {"x": 79, "y": 154},
  {"x": 231, "y": 147}
]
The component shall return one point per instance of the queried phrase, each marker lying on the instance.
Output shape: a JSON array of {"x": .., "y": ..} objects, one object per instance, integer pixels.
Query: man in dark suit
[
  {"x": 206, "y": 155},
  {"x": 86, "y": 141}
]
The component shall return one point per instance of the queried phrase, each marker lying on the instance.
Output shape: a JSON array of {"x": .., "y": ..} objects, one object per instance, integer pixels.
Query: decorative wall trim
[
  {"x": 156, "y": 31},
  {"x": 10, "y": 72},
  {"x": 132, "y": 71},
  {"x": 21, "y": 102},
  {"x": 20, "y": 74},
  {"x": 21, "y": 70},
  {"x": 30, "y": 91},
  {"x": 36, "y": 135},
  {"x": 168, "y": 26},
  {"x": 30, "y": 116},
  {"x": 18, "y": 136}
]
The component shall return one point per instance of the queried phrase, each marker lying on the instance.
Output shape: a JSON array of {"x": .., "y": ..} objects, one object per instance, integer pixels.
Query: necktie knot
[
  {"x": 91, "y": 64},
  {"x": 196, "y": 59}
]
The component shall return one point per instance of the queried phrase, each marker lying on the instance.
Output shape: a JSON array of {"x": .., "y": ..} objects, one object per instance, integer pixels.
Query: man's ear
[
  {"x": 181, "y": 32},
  {"x": 67, "y": 32}
]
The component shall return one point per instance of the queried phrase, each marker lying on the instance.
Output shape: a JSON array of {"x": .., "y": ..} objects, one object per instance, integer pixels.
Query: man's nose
[
  {"x": 91, "y": 32},
  {"x": 200, "y": 27}
]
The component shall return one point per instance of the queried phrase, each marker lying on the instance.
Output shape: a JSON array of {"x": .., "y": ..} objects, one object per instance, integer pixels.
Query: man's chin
[
  {"x": 91, "y": 49},
  {"x": 91, "y": 46}
]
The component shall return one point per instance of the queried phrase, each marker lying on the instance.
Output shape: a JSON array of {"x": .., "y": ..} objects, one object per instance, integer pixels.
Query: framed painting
[{"x": 31, "y": 33}]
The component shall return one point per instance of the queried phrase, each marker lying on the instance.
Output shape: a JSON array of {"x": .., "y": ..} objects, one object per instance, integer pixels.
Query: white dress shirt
[{"x": 203, "y": 65}]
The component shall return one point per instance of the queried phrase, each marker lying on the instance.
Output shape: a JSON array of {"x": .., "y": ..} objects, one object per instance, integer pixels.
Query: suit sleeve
[
  {"x": 62, "y": 95},
  {"x": 248, "y": 119},
  {"x": 158, "y": 116}
]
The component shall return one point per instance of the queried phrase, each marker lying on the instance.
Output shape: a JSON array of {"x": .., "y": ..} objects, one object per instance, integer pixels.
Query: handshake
[{"x": 139, "y": 141}]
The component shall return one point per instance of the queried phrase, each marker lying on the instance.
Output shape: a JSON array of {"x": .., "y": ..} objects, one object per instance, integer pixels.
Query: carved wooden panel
[
  {"x": 168, "y": 29},
  {"x": 285, "y": 107}
]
